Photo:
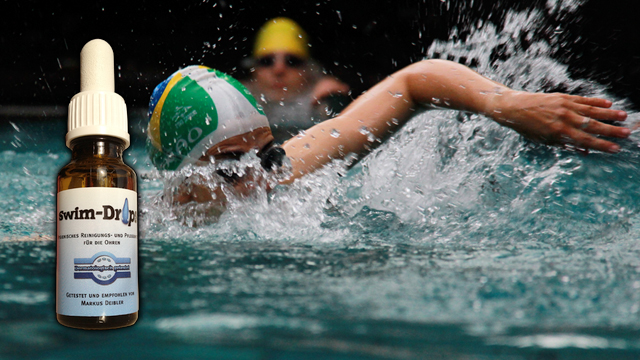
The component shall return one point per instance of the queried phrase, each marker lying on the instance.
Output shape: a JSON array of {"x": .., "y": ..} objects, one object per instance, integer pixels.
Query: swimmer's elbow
[{"x": 432, "y": 67}]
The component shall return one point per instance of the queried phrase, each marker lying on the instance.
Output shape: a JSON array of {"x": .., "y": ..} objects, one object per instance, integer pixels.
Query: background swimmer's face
[{"x": 280, "y": 75}]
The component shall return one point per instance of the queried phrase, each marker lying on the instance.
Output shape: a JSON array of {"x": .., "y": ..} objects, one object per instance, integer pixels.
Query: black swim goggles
[
  {"x": 291, "y": 61},
  {"x": 272, "y": 157}
]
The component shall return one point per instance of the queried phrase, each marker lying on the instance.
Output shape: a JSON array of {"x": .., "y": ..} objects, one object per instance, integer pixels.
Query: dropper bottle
[{"x": 97, "y": 217}]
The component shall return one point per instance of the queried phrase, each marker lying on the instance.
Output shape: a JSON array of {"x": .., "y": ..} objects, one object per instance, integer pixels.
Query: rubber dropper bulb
[
  {"x": 97, "y": 110},
  {"x": 96, "y": 67}
]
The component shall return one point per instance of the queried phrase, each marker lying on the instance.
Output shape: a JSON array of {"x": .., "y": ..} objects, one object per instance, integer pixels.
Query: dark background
[{"x": 359, "y": 41}]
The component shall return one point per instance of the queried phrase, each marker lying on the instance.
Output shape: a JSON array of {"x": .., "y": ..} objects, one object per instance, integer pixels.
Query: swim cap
[
  {"x": 281, "y": 34},
  {"x": 194, "y": 109}
]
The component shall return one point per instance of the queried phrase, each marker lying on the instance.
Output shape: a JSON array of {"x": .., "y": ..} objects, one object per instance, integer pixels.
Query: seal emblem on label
[{"x": 103, "y": 268}]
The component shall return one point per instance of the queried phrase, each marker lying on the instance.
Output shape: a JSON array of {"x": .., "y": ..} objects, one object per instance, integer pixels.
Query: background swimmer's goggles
[
  {"x": 271, "y": 158},
  {"x": 292, "y": 61}
]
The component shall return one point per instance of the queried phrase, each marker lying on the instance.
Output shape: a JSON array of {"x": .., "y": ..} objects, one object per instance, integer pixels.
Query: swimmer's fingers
[
  {"x": 570, "y": 120},
  {"x": 584, "y": 117},
  {"x": 595, "y": 108},
  {"x": 595, "y": 127},
  {"x": 582, "y": 140},
  {"x": 591, "y": 101},
  {"x": 560, "y": 119}
]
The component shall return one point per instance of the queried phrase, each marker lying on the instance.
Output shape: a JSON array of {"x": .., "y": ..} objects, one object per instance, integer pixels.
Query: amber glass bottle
[
  {"x": 97, "y": 216},
  {"x": 97, "y": 163}
]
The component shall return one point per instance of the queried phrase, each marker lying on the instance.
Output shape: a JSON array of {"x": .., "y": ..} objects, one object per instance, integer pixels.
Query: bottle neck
[{"x": 97, "y": 147}]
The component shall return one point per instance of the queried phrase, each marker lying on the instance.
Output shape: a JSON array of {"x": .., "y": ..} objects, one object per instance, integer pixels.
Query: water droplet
[
  {"x": 335, "y": 133},
  {"x": 125, "y": 212}
]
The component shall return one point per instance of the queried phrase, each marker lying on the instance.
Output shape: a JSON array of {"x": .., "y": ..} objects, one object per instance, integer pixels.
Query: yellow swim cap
[{"x": 281, "y": 34}]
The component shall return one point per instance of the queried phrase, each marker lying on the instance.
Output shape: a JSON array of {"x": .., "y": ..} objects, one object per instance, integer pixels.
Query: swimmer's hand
[
  {"x": 192, "y": 193},
  {"x": 194, "y": 188},
  {"x": 192, "y": 203},
  {"x": 560, "y": 119}
]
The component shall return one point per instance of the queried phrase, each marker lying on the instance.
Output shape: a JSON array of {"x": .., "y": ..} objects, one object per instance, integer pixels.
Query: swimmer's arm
[
  {"x": 554, "y": 119},
  {"x": 549, "y": 118}
]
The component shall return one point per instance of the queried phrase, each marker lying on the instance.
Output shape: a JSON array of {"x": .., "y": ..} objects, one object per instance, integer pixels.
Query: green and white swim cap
[{"x": 194, "y": 109}]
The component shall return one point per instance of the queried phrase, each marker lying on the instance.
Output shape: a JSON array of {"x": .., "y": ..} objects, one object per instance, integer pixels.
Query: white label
[{"x": 97, "y": 272}]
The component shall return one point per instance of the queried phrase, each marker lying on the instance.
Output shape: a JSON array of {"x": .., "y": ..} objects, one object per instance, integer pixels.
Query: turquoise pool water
[{"x": 455, "y": 239}]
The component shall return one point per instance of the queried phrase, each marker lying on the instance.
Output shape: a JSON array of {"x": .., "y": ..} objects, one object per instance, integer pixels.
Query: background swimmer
[{"x": 291, "y": 87}]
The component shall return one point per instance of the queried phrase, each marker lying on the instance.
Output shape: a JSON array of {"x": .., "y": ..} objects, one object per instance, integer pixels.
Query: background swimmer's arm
[
  {"x": 327, "y": 86},
  {"x": 550, "y": 118}
]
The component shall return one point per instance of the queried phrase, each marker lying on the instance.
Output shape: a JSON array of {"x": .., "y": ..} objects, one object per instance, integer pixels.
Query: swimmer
[
  {"x": 291, "y": 87},
  {"x": 200, "y": 116}
]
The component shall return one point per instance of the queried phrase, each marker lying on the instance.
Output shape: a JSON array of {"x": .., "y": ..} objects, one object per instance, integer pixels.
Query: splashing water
[
  {"x": 447, "y": 173},
  {"x": 467, "y": 195}
]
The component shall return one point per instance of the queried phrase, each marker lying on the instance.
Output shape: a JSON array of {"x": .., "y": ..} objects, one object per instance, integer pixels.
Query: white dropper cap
[{"x": 97, "y": 109}]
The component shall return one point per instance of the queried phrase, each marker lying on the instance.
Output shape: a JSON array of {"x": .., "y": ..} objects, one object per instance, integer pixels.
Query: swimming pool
[{"x": 455, "y": 239}]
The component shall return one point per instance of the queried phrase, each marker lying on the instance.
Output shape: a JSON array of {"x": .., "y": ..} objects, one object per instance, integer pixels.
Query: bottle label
[{"x": 97, "y": 272}]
